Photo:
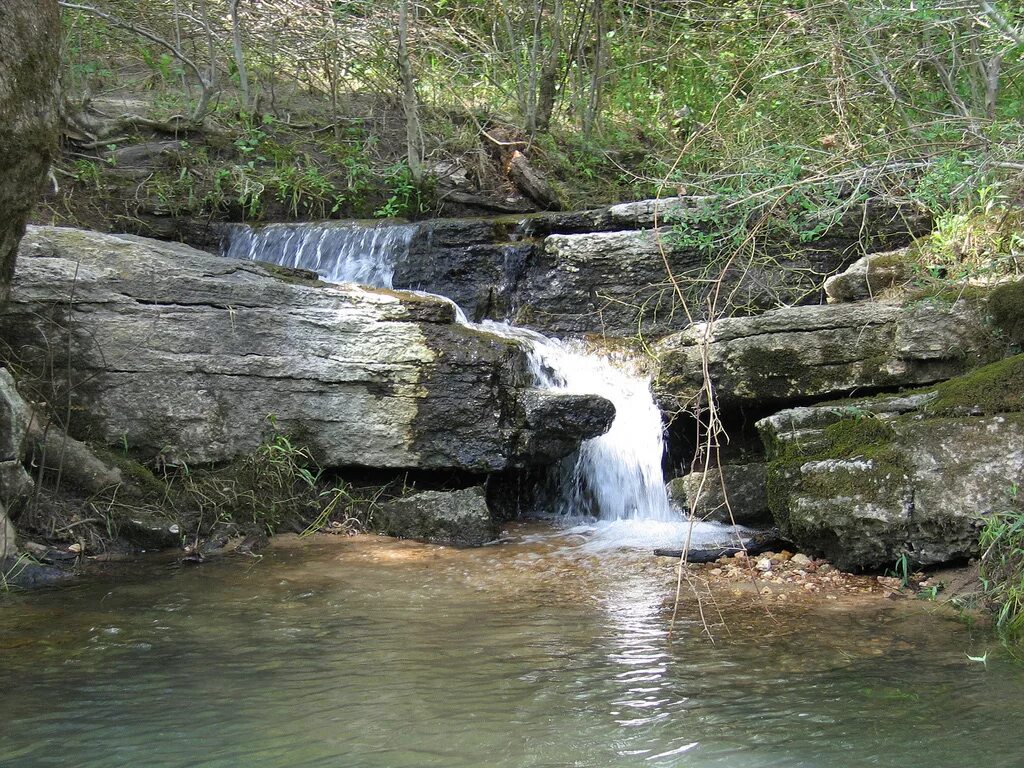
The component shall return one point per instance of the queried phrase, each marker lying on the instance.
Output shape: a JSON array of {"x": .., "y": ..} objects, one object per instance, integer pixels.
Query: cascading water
[
  {"x": 615, "y": 477},
  {"x": 340, "y": 252}
]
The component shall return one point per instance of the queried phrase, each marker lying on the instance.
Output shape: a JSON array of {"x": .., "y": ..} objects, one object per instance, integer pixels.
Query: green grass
[{"x": 1002, "y": 567}]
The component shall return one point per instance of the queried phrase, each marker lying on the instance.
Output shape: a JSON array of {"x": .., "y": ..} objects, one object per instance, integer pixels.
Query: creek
[{"x": 366, "y": 652}]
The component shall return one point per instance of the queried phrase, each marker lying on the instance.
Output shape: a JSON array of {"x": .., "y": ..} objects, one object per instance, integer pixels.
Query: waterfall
[
  {"x": 340, "y": 252},
  {"x": 614, "y": 477}
]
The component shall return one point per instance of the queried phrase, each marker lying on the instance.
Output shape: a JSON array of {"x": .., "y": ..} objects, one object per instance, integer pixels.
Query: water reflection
[{"x": 364, "y": 652}]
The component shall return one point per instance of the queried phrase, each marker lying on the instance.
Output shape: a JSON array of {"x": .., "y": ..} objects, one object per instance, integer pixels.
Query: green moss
[
  {"x": 775, "y": 373},
  {"x": 994, "y": 388},
  {"x": 152, "y": 487},
  {"x": 290, "y": 275},
  {"x": 1006, "y": 307}
]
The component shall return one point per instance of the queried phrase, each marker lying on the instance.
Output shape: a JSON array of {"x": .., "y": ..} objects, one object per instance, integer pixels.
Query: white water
[
  {"x": 340, "y": 252},
  {"x": 616, "y": 476}
]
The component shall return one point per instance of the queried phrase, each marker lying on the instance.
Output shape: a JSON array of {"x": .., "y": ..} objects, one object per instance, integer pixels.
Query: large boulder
[
  {"x": 864, "y": 482},
  {"x": 794, "y": 354},
  {"x": 184, "y": 356},
  {"x": 456, "y": 518},
  {"x": 29, "y": 58}
]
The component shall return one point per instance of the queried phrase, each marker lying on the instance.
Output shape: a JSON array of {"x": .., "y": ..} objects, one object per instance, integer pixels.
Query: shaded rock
[
  {"x": 555, "y": 423},
  {"x": 29, "y": 56},
  {"x": 147, "y": 530},
  {"x": 677, "y": 495},
  {"x": 606, "y": 270},
  {"x": 457, "y": 518},
  {"x": 797, "y": 353},
  {"x": 745, "y": 494},
  {"x": 75, "y": 462},
  {"x": 866, "y": 481},
  {"x": 869, "y": 276},
  {"x": 15, "y": 482},
  {"x": 24, "y": 573},
  {"x": 182, "y": 355}
]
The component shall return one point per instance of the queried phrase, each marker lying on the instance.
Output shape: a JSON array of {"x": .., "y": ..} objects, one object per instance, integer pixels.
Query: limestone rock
[
  {"x": 184, "y": 355},
  {"x": 797, "y": 353},
  {"x": 866, "y": 481},
  {"x": 869, "y": 276},
  {"x": 605, "y": 270},
  {"x": 29, "y": 56},
  {"x": 457, "y": 518},
  {"x": 745, "y": 488}
]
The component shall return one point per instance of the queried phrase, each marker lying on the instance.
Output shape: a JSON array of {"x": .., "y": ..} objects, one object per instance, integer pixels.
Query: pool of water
[{"x": 541, "y": 651}]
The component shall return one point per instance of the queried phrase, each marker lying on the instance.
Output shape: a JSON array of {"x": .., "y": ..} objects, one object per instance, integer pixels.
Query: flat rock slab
[
  {"x": 191, "y": 357},
  {"x": 798, "y": 353}
]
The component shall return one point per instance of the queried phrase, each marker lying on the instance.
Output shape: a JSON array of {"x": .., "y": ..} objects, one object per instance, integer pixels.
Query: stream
[{"x": 366, "y": 652}]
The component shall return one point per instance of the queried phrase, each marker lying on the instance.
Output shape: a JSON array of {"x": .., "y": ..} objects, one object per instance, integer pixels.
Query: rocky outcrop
[
  {"x": 456, "y": 518},
  {"x": 731, "y": 493},
  {"x": 607, "y": 270},
  {"x": 29, "y": 57},
  {"x": 184, "y": 356},
  {"x": 867, "y": 481},
  {"x": 795, "y": 354}
]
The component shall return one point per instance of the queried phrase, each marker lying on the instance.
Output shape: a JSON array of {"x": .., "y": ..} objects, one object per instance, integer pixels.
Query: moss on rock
[{"x": 994, "y": 388}]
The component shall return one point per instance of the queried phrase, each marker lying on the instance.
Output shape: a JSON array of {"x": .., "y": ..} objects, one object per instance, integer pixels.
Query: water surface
[{"x": 366, "y": 652}]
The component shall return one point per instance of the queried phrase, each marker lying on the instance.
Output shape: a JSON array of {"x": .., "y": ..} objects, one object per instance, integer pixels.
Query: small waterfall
[
  {"x": 616, "y": 476},
  {"x": 340, "y": 252}
]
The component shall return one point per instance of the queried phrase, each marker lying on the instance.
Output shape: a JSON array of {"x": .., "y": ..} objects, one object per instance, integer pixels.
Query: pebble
[
  {"x": 800, "y": 560},
  {"x": 764, "y": 564}
]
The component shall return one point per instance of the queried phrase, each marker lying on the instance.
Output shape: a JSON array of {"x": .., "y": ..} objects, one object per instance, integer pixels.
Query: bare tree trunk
[
  {"x": 236, "y": 44},
  {"x": 409, "y": 101},
  {"x": 597, "y": 63},
  {"x": 549, "y": 72}
]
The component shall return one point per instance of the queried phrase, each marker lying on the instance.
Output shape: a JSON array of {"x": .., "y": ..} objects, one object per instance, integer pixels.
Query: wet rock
[
  {"x": 731, "y": 493},
  {"x": 29, "y": 57},
  {"x": 23, "y": 572},
  {"x": 148, "y": 531},
  {"x": 867, "y": 481},
  {"x": 183, "y": 356},
  {"x": 555, "y": 423},
  {"x": 793, "y": 354},
  {"x": 457, "y": 518}
]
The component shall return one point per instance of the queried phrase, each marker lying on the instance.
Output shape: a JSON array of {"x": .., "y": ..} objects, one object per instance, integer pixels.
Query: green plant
[
  {"x": 901, "y": 570},
  {"x": 1002, "y": 565}
]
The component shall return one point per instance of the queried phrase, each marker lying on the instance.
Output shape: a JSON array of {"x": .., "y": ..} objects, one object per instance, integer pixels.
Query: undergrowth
[{"x": 1002, "y": 566}]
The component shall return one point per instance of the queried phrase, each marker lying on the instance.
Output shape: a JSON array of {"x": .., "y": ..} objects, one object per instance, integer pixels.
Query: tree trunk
[
  {"x": 410, "y": 103},
  {"x": 29, "y": 59},
  {"x": 236, "y": 44}
]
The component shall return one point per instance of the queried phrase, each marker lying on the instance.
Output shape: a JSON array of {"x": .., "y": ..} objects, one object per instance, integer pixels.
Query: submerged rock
[
  {"x": 866, "y": 481},
  {"x": 732, "y": 493},
  {"x": 457, "y": 518},
  {"x": 185, "y": 356}
]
